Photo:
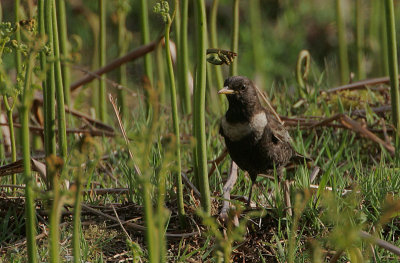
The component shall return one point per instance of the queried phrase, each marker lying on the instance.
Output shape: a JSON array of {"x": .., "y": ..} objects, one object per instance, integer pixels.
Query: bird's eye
[{"x": 243, "y": 87}]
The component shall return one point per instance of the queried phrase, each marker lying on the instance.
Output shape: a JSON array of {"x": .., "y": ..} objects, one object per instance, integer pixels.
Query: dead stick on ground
[
  {"x": 355, "y": 126},
  {"x": 133, "y": 225},
  {"x": 314, "y": 173},
  {"x": 382, "y": 243},
  {"x": 288, "y": 203},
  {"x": 92, "y": 132},
  {"x": 217, "y": 161},
  {"x": 119, "y": 222},
  {"x": 191, "y": 185},
  {"x": 384, "y": 129}
]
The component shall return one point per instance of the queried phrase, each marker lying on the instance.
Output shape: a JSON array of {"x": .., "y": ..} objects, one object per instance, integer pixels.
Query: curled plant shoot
[{"x": 304, "y": 58}]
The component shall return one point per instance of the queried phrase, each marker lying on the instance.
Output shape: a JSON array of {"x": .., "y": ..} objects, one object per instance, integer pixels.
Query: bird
[{"x": 255, "y": 139}]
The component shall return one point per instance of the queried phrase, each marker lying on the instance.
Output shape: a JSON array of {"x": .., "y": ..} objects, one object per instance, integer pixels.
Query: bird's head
[{"x": 240, "y": 92}]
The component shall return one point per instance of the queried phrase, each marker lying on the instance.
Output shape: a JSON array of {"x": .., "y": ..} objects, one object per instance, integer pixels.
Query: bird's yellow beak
[{"x": 226, "y": 90}]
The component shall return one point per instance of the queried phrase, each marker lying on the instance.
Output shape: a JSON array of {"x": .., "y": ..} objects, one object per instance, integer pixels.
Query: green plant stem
[
  {"x": 199, "y": 115},
  {"x": 145, "y": 34},
  {"x": 54, "y": 235},
  {"x": 18, "y": 62},
  {"x": 384, "y": 52},
  {"x": 360, "y": 39},
  {"x": 393, "y": 67},
  {"x": 343, "y": 56},
  {"x": 257, "y": 39},
  {"x": 42, "y": 58},
  {"x": 235, "y": 36},
  {"x": 214, "y": 43},
  {"x": 62, "y": 28},
  {"x": 12, "y": 133},
  {"x": 102, "y": 61},
  {"x": 76, "y": 221},
  {"x": 2, "y": 150},
  {"x": 122, "y": 49},
  {"x": 62, "y": 129},
  {"x": 183, "y": 59},
  {"x": 151, "y": 231},
  {"x": 144, "y": 23},
  {"x": 175, "y": 117},
  {"x": 160, "y": 72},
  {"x": 49, "y": 89},
  {"x": 28, "y": 179}
]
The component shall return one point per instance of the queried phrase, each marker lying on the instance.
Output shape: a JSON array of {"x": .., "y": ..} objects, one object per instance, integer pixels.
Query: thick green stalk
[
  {"x": 18, "y": 62},
  {"x": 384, "y": 53},
  {"x": 393, "y": 67},
  {"x": 183, "y": 59},
  {"x": 49, "y": 88},
  {"x": 12, "y": 134},
  {"x": 214, "y": 44},
  {"x": 199, "y": 115},
  {"x": 151, "y": 230},
  {"x": 42, "y": 56},
  {"x": 175, "y": 117},
  {"x": 102, "y": 61},
  {"x": 145, "y": 34},
  {"x": 62, "y": 129},
  {"x": 256, "y": 38},
  {"x": 122, "y": 49},
  {"x": 161, "y": 75},
  {"x": 54, "y": 235},
  {"x": 360, "y": 39},
  {"x": 76, "y": 221},
  {"x": 144, "y": 23},
  {"x": 235, "y": 36},
  {"x": 343, "y": 56},
  {"x": 26, "y": 154},
  {"x": 62, "y": 28},
  {"x": 2, "y": 150}
]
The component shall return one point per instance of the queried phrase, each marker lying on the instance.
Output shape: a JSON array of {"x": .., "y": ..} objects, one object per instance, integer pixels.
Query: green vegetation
[{"x": 142, "y": 178}]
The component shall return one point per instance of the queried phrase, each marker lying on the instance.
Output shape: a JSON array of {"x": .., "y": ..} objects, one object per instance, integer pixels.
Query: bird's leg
[{"x": 251, "y": 190}]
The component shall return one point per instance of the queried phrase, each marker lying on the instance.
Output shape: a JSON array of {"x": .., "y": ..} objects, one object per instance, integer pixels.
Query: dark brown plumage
[{"x": 256, "y": 141}]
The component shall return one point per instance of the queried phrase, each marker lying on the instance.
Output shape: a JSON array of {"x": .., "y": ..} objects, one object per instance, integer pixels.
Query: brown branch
[
  {"x": 92, "y": 132},
  {"x": 137, "y": 53},
  {"x": 94, "y": 122},
  {"x": 217, "y": 161},
  {"x": 191, "y": 185},
  {"x": 359, "y": 84},
  {"x": 355, "y": 126},
  {"x": 382, "y": 243},
  {"x": 18, "y": 167}
]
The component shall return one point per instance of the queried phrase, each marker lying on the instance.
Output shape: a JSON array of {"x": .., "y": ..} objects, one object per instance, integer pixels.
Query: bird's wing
[{"x": 278, "y": 130}]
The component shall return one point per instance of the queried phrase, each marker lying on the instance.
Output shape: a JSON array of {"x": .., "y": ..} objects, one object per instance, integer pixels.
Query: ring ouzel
[{"x": 256, "y": 141}]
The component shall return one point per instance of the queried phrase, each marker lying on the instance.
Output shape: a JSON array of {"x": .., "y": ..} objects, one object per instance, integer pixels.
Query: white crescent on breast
[{"x": 237, "y": 131}]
